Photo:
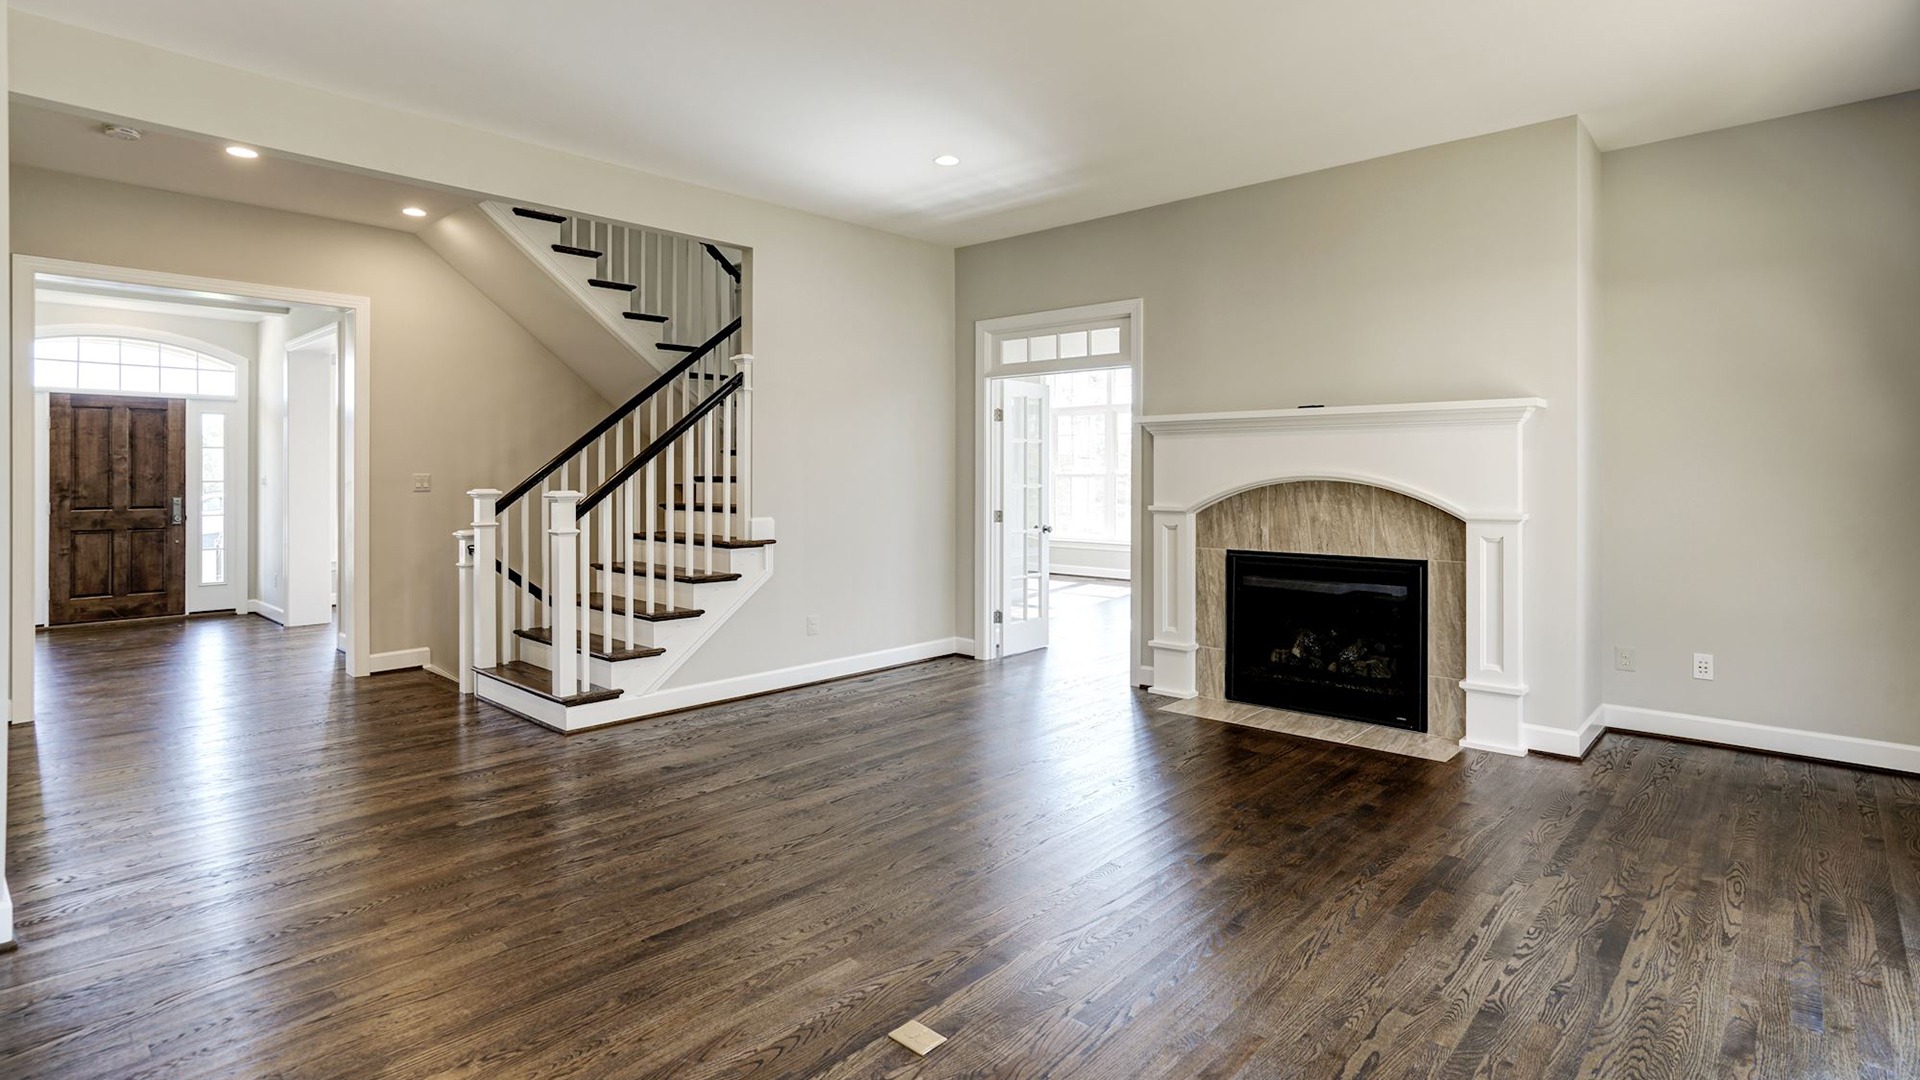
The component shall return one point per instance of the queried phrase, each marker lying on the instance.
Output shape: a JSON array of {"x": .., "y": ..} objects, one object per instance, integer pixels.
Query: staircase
[
  {"x": 585, "y": 586},
  {"x": 660, "y": 293}
]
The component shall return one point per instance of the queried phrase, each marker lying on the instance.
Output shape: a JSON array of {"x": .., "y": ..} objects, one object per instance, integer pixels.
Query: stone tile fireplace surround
[
  {"x": 1435, "y": 481},
  {"x": 1323, "y": 517}
]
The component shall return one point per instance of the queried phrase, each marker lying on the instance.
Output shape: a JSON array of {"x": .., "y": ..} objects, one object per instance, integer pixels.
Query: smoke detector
[{"x": 121, "y": 132}]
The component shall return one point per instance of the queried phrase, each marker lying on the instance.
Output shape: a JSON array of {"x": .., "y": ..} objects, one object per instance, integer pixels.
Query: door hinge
[
  {"x": 999, "y": 516},
  {"x": 999, "y": 414},
  {"x": 999, "y": 617}
]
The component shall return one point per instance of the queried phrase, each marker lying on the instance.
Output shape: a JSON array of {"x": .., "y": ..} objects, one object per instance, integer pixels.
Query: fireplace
[{"x": 1335, "y": 635}]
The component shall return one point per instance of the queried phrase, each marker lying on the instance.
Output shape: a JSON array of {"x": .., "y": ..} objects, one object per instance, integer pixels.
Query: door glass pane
[{"x": 213, "y": 498}]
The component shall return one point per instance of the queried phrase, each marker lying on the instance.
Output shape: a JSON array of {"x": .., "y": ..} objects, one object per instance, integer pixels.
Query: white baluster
[
  {"x": 463, "y": 562},
  {"x": 666, "y": 483},
  {"x": 563, "y": 533},
  {"x": 508, "y": 608},
  {"x": 725, "y": 460},
  {"x": 685, "y": 500},
  {"x": 486, "y": 594},
  {"x": 527, "y": 556},
  {"x": 626, "y": 555},
  {"x": 586, "y": 606},
  {"x": 706, "y": 451}
]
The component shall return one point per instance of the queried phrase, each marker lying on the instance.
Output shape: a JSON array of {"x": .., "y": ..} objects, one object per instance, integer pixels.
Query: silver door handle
[{"x": 179, "y": 509}]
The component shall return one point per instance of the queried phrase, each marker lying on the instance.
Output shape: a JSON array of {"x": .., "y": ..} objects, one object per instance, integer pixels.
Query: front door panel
[{"x": 117, "y": 481}]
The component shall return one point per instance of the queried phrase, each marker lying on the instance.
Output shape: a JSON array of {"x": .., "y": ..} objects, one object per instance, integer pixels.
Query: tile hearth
[{"x": 1325, "y": 728}]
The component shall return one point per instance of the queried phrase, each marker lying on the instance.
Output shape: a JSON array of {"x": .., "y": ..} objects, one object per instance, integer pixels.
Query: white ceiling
[
  {"x": 194, "y": 165},
  {"x": 1060, "y": 111}
]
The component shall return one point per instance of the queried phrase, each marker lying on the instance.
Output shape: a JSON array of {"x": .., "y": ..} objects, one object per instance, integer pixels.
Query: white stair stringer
[
  {"x": 641, "y": 680},
  {"x": 607, "y": 307}
]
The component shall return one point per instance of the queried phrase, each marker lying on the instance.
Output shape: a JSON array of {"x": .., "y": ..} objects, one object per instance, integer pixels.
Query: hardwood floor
[{"x": 230, "y": 860}]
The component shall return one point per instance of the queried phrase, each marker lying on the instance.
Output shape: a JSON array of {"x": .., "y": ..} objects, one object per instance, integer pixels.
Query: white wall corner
[
  {"x": 964, "y": 646},
  {"x": 1561, "y": 742},
  {"x": 400, "y": 659}
]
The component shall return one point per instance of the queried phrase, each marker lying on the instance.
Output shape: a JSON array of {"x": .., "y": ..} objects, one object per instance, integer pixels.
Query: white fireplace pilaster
[{"x": 1464, "y": 457}]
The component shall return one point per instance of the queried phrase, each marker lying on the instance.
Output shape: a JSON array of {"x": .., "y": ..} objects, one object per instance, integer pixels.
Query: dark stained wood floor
[{"x": 232, "y": 861}]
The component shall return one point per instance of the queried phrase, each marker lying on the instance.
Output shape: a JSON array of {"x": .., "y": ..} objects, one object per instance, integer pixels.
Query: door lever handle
[
  {"x": 179, "y": 509},
  {"x": 1046, "y": 528}
]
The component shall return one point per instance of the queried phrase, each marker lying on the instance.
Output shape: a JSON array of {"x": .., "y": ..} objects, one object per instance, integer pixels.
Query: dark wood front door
[{"x": 118, "y": 484}]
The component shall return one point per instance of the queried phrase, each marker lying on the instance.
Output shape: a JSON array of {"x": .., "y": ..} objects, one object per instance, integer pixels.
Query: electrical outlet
[
  {"x": 1623, "y": 659},
  {"x": 1703, "y": 665},
  {"x": 422, "y": 481},
  {"x": 813, "y": 626}
]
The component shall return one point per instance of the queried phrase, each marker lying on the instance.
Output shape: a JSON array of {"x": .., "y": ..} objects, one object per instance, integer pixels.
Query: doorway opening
[
  {"x": 186, "y": 449},
  {"x": 1058, "y": 518}
]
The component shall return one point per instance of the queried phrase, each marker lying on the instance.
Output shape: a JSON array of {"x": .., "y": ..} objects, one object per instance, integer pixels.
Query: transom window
[
  {"x": 130, "y": 366},
  {"x": 1061, "y": 345}
]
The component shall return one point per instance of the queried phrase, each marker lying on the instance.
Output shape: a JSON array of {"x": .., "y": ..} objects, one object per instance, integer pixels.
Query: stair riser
[
  {"x": 685, "y": 593},
  {"x": 680, "y": 520},
  {"x": 725, "y": 560}
]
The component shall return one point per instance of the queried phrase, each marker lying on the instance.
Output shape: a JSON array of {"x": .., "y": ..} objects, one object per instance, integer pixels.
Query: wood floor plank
[{"x": 229, "y": 859}]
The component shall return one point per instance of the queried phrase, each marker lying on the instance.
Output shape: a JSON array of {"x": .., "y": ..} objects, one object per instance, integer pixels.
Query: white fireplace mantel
[{"x": 1461, "y": 456}]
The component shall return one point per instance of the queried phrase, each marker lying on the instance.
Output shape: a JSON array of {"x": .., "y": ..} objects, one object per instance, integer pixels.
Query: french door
[{"x": 1022, "y": 512}]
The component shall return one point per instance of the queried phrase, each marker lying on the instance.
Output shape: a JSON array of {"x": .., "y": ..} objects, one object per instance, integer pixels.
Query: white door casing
[{"x": 1025, "y": 500}]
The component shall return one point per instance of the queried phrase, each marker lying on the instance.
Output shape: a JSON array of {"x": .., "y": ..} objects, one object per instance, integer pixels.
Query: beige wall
[
  {"x": 853, "y": 404},
  {"x": 1443, "y": 273},
  {"x": 459, "y": 390},
  {"x": 1760, "y": 420}
]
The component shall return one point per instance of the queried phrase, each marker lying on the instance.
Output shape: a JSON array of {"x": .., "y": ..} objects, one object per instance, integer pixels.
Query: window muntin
[
  {"x": 1073, "y": 344},
  {"x": 106, "y": 364}
]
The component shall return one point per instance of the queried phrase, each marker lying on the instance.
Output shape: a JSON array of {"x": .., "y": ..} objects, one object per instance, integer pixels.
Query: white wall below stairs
[{"x": 855, "y": 401}]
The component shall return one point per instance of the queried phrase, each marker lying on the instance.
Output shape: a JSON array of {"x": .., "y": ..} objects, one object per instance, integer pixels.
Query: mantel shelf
[{"x": 1413, "y": 414}]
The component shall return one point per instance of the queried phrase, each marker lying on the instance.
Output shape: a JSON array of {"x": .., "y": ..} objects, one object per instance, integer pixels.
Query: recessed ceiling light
[
  {"x": 414, "y": 211},
  {"x": 946, "y": 159},
  {"x": 243, "y": 152}
]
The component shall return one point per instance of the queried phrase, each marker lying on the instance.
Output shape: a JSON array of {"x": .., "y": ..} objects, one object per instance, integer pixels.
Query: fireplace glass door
[{"x": 1333, "y": 635}]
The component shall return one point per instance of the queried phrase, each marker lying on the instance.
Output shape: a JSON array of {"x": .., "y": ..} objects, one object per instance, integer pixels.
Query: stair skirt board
[{"x": 677, "y": 699}]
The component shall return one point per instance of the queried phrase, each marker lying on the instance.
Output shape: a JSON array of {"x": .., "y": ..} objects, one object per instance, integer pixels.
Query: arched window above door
[{"x": 124, "y": 365}]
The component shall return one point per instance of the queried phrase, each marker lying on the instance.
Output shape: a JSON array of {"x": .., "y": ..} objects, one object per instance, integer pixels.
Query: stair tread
[
  {"x": 539, "y": 215},
  {"x": 643, "y": 316},
  {"x": 701, "y": 507},
  {"x": 701, "y": 539},
  {"x": 539, "y": 681},
  {"x": 679, "y": 348},
  {"x": 585, "y": 253},
  {"x": 681, "y": 575},
  {"x": 603, "y": 283},
  {"x": 595, "y": 645},
  {"x": 660, "y": 613}
]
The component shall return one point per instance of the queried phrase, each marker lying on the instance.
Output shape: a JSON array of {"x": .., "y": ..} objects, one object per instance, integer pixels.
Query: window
[
  {"x": 1092, "y": 454},
  {"x": 128, "y": 366},
  {"x": 1062, "y": 345},
  {"x": 213, "y": 498}
]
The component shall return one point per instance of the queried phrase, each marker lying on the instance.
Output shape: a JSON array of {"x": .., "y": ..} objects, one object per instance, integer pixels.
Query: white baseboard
[
  {"x": 965, "y": 647},
  {"x": 1560, "y": 741},
  {"x": 1089, "y": 571},
  {"x": 261, "y": 607},
  {"x": 675, "y": 698},
  {"x": 436, "y": 669},
  {"x": 1847, "y": 749},
  {"x": 399, "y": 659},
  {"x": 6, "y": 914}
]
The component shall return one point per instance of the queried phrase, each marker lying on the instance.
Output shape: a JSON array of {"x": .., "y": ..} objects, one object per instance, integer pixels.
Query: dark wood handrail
[
  {"x": 659, "y": 445},
  {"x": 725, "y": 263},
  {"x": 614, "y": 417}
]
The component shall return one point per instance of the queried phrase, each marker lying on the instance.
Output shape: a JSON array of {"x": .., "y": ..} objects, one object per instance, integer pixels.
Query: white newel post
[
  {"x": 463, "y": 563},
  {"x": 486, "y": 596},
  {"x": 743, "y": 459},
  {"x": 563, "y": 534}
]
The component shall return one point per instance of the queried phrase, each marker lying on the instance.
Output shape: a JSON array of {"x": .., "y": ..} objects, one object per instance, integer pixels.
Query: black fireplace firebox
[{"x": 1329, "y": 634}]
